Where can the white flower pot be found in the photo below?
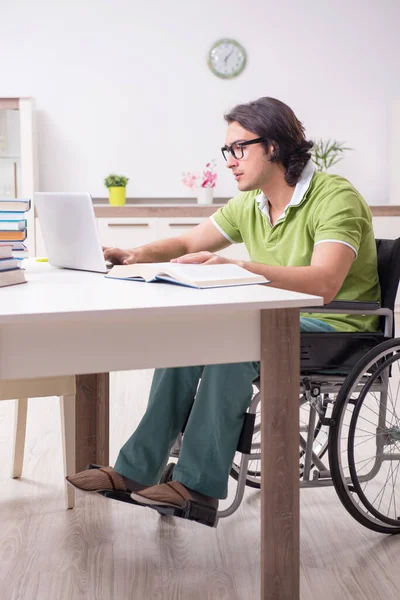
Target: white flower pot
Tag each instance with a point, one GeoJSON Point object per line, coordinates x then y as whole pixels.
{"type": "Point", "coordinates": [205, 195]}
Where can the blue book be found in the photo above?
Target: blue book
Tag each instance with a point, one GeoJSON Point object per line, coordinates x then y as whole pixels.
{"type": "Point", "coordinates": [12, 225]}
{"type": "Point", "coordinates": [11, 216]}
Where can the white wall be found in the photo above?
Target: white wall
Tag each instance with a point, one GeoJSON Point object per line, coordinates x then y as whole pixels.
{"type": "Point", "coordinates": [123, 86]}
{"type": "Point", "coordinates": [394, 152]}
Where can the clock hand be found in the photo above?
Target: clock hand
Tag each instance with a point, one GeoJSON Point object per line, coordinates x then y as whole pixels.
{"type": "Point", "coordinates": [227, 56]}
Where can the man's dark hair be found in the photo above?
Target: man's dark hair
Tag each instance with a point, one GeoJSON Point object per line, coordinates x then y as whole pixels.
{"type": "Point", "coordinates": [277, 124]}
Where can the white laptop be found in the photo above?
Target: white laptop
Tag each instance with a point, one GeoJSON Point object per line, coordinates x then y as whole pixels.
{"type": "Point", "coordinates": [69, 231]}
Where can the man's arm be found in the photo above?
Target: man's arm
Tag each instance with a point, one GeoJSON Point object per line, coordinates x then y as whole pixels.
{"type": "Point", "coordinates": [203, 237]}
{"type": "Point", "coordinates": [330, 264]}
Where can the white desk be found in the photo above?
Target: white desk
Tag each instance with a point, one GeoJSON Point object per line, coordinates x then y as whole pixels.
{"type": "Point", "coordinates": [68, 322]}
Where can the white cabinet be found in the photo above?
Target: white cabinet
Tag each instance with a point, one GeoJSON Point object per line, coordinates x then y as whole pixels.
{"type": "Point", "coordinates": [172, 227]}
{"type": "Point", "coordinates": [132, 232]}
{"type": "Point", "coordinates": [128, 232]}
{"type": "Point", "coordinates": [179, 225]}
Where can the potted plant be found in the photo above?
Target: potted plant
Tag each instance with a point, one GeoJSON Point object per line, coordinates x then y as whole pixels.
{"type": "Point", "coordinates": [116, 185]}
{"type": "Point", "coordinates": [326, 153]}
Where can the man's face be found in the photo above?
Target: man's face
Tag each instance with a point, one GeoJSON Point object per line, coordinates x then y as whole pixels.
{"type": "Point", "coordinates": [253, 170]}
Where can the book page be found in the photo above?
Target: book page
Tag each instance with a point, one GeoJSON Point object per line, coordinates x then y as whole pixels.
{"type": "Point", "coordinates": [146, 271]}
{"type": "Point", "coordinates": [201, 273]}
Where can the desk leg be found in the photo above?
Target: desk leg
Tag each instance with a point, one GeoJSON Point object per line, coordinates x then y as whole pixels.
{"type": "Point", "coordinates": [279, 371]}
{"type": "Point", "coordinates": [92, 420]}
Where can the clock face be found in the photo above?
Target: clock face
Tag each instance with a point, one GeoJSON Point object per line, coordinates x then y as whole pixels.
{"type": "Point", "coordinates": [227, 58]}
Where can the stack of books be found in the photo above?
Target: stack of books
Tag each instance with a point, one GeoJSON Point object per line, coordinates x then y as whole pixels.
{"type": "Point", "coordinates": [10, 271]}
{"type": "Point", "coordinates": [12, 235]}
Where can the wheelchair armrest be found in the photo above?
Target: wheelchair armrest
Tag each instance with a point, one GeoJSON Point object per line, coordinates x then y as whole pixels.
{"type": "Point", "coordinates": [353, 307]}
{"type": "Point", "coordinates": [347, 306]}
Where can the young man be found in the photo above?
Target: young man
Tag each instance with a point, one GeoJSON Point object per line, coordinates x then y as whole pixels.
{"type": "Point", "coordinates": [305, 231]}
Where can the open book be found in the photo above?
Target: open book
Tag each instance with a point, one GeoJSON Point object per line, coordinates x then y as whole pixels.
{"type": "Point", "coordinates": [196, 276]}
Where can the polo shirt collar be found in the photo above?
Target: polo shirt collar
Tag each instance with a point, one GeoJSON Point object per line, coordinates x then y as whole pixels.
{"type": "Point", "coordinates": [299, 191]}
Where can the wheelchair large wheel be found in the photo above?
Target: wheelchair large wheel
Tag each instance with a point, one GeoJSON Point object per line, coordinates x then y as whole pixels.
{"type": "Point", "coordinates": [364, 440]}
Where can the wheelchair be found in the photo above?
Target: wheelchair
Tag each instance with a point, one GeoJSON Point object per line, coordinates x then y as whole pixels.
{"type": "Point", "coordinates": [349, 413]}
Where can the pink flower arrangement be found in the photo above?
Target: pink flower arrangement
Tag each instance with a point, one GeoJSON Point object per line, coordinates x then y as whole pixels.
{"type": "Point", "coordinates": [207, 179]}
{"type": "Point", "coordinates": [190, 180]}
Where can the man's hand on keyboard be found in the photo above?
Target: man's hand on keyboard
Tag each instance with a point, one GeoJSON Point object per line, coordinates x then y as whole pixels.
{"type": "Point", "coordinates": [119, 256]}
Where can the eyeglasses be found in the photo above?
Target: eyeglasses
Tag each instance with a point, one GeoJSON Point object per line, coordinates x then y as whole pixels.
{"type": "Point", "coordinates": [237, 148]}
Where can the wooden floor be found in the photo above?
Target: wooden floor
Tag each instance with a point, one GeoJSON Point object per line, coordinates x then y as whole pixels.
{"type": "Point", "coordinates": [105, 550]}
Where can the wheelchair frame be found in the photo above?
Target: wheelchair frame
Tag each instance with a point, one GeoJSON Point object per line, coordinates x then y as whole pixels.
{"type": "Point", "coordinates": [313, 386]}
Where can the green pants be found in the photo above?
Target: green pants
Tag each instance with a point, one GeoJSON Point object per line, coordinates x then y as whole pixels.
{"type": "Point", "coordinates": [210, 402]}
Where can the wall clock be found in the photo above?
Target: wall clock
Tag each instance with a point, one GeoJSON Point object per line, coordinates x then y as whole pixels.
{"type": "Point", "coordinates": [227, 58]}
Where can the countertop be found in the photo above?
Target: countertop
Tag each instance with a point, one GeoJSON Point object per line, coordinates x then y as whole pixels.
{"type": "Point", "coordinates": [187, 207]}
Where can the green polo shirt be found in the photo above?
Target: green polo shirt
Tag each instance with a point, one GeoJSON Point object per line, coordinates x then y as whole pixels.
{"type": "Point", "coordinates": [324, 208]}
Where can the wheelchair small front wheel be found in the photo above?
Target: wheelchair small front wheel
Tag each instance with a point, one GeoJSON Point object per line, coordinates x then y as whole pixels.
{"type": "Point", "coordinates": [364, 442]}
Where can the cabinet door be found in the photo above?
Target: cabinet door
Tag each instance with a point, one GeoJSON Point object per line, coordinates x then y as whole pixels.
{"type": "Point", "coordinates": [127, 232]}
{"type": "Point", "coordinates": [178, 226]}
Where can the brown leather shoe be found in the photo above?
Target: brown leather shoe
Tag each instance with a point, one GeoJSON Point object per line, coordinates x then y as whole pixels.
{"type": "Point", "coordinates": [175, 499]}
{"type": "Point", "coordinates": [102, 479]}
{"type": "Point", "coordinates": [173, 494]}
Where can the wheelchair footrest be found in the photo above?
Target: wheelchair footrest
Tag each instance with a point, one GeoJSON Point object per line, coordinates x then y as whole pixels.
{"type": "Point", "coordinates": [119, 495]}
{"type": "Point", "coordinates": [193, 512]}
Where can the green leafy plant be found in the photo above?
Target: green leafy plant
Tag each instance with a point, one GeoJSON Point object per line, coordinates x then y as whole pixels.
{"type": "Point", "coordinates": [326, 153]}
{"type": "Point", "coordinates": [116, 181]}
